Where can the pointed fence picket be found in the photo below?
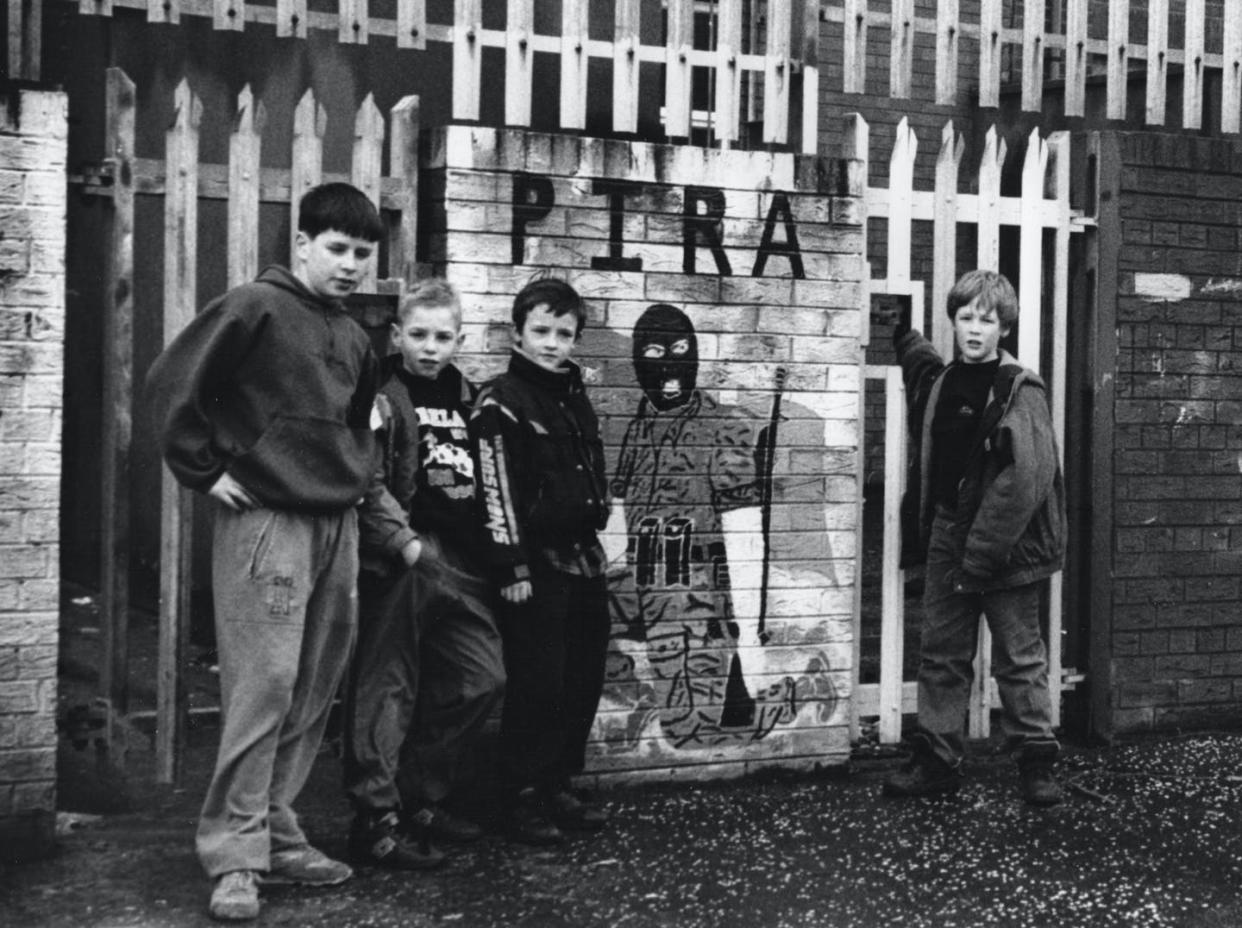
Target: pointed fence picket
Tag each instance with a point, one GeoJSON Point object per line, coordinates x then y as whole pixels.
{"type": "Point", "coordinates": [1043, 204]}
{"type": "Point", "coordinates": [243, 183]}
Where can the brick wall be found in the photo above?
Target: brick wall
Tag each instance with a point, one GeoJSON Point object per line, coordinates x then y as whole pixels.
{"type": "Point", "coordinates": [693, 689]}
{"type": "Point", "coordinates": [1176, 637]}
{"type": "Point", "coordinates": [33, 132]}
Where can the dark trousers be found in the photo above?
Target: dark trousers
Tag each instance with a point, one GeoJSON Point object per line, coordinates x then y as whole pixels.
{"type": "Point", "coordinates": [555, 647]}
{"type": "Point", "coordinates": [428, 673]}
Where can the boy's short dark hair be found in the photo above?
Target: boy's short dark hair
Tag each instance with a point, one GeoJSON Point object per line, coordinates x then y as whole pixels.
{"type": "Point", "coordinates": [994, 291]}
{"type": "Point", "coordinates": [339, 207]}
{"type": "Point", "coordinates": [560, 297]}
{"type": "Point", "coordinates": [433, 291]}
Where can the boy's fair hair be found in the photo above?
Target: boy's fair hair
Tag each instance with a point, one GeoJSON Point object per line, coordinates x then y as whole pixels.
{"type": "Point", "coordinates": [339, 207]}
{"type": "Point", "coordinates": [994, 291]}
{"type": "Point", "coordinates": [559, 296]}
{"type": "Point", "coordinates": [434, 292]}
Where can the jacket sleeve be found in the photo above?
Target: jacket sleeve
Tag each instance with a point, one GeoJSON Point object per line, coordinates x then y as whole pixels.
{"type": "Point", "coordinates": [1028, 467]}
{"type": "Point", "coordinates": [920, 364]}
{"type": "Point", "coordinates": [186, 380]}
{"type": "Point", "coordinates": [497, 440]}
{"type": "Point", "coordinates": [383, 526]}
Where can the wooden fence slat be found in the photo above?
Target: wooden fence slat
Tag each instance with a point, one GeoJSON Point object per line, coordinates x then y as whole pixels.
{"type": "Point", "coordinates": [989, 53]}
{"type": "Point", "coordinates": [900, 185]}
{"type": "Point", "coordinates": [180, 300]}
{"type": "Point", "coordinates": [1118, 55]}
{"type": "Point", "coordinates": [575, 30]}
{"type": "Point", "coordinates": [854, 48]}
{"type": "Point", "coordinates": [776, 76]}
{"type": "Point", "coordinates": [366, 167]}
{"type": "Point", "coordinates": [901, 45]}
{"type": "Point", "coordinates": [245, 158]}
{"type": "Point", "coordinates": [1033, 55]}
{"type": "Point", "coordinates": [1192, 69]}
{"type": "Point", "coordinates": [678, 42]}
{"type": "Point", "coordinates": [1075, 57]}
{"type": "Point", "coordinates": [855, 151]}
{"type": "Point", "coordinates": [625, 66]}
{"type": "Point", "coordinates": [944, 236]}
{"type": "Point", "coordinates": [1059, 167]}
{"type": "Point", "coordinates": [519, 58]}
{"type": "Point", "coordinates": [353, 24]}
{"type": "Point", "coordinates": [808, 53]}
{"type": "Point", "coordinates": [403, 164]}
{"type": "Point", "coordinates": [32, 42]}
{"type": "Point", "coordinates": [291, 18]}
{"type": "Point", "coordinates": [979, 706]}
{"type": "Point", "coordinates": [1031, 252]}
{"type": "Point", "coordinates": [95, 7]}
{"type": "Point", "coordinates": [164, 11]}
{"type": "Point", "coordinates": [467, 58]}
{"type": "Point", "coordinates": [412, 24]}
{"type": "Point", "coordinates": [947, 42]}
{"type": "Point", "coordinates": [309, 122]}
{"type": "Point", "coordinates": [892, 596]}
{"type": "Point", "coordinates": [117, 423]}
{"type": "Point", "coordinates": [1157, 59]}
{"type": "Point", "coordinates": [229, 14]}
{"type": "Point", "coordinates": [988, 220]}
{"type": "Point", "coordinates": [728, 74]}
{"type": "Point", "coordinates": [1231, 89]}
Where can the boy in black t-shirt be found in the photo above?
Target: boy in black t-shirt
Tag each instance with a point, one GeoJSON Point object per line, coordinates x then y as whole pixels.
{"type": "Point", "coordinates": [429, 668]}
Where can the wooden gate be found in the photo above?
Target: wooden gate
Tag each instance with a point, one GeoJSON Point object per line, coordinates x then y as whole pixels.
{"type": "Point", "coordinates": [1043, 204]}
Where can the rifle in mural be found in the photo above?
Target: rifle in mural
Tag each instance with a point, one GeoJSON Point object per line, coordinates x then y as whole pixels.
{"type": "Point", "coordinates": [765, 460]}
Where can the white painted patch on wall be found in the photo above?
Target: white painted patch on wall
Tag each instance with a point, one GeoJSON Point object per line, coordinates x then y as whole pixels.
{"type": "Point", "coordinates": [1155, 287]}
{"type": "Point", "coordinates": [1224, 285]}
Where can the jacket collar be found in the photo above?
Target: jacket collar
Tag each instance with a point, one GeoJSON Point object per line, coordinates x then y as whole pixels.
{"type": "Point", "coordinates": [566, 380]}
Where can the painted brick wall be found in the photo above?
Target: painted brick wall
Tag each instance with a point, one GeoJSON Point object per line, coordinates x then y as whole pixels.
{"type": "Point", "coordinates": [33, 133]}
{"type": "Point", "coordinates": [1176, 643]}
{"type": "Point", "coordinates": [693, 690]}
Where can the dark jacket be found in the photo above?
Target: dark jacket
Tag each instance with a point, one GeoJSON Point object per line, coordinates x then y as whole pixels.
{"type": "Point", "coordinates": [274, 385]}
{"type": "Point", "coordinates": [1012, 495]}
{"type": "Point", "coordinates": [424, 479]}
{"type": "Point", "coordinates": [540, 466]}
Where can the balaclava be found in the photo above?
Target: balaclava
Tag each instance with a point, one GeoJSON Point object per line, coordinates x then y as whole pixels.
{"type": "Point", "coordinates": [666, 356]}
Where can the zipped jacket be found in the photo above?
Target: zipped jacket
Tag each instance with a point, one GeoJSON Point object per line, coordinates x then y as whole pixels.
{"type": "Point", "coordinates": [274, 385]}
{"type": "Point", "coordinates": [400, 504]}
{"type": "Point", "coordinates": [1012, 494]}
{"type": "Point", "coordinates": [540, 468]}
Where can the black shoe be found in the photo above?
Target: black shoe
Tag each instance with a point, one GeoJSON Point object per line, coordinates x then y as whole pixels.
{"type": "Point", "coordinates": [924, 774]}
{"type": "Point", "coordinates": [379, 838]}
{"type": "Point", "coordinates": [1035, 769]}
{"type": "Point", "coordinates": [438, 822]}
{"type": "Point", "coordinates": [528, 823]}
{"type": "Point", "coordinates": [572, 812]}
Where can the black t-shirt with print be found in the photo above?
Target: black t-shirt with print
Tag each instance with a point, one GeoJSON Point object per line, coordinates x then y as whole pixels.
{"type": "Point", "coordinates": [963, 397]}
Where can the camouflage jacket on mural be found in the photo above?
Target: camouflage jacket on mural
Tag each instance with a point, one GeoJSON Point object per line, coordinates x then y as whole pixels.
{"type": "Point", "coordinates": [1012, 494]}
{"type": "Point", "coordinates": [540, 467]}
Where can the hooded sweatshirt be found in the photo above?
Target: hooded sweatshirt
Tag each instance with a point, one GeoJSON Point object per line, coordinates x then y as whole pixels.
{"type": "Point", "coordinates": [274, 385]}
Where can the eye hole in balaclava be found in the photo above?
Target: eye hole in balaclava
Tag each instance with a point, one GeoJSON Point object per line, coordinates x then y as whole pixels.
{"type": "Point", "coordinates": [666, 356]}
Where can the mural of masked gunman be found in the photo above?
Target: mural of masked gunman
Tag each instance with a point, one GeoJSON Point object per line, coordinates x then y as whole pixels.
{"type": "Point", "coordinates": [688, 489]}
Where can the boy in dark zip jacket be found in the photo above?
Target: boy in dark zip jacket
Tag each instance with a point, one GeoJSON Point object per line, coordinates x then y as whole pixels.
{"type": "Point", "coordinates": [989, 507]}
{"type": "Point", "coordinates": [541, 475]}
{"type": "Point", "coordinates": [429, 669]}
{"type": "Point", "coordinates": [262, 403]}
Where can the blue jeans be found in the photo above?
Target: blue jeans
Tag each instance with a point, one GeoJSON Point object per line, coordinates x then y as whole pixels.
{"type": "Point", "coordinates": [949, 640]}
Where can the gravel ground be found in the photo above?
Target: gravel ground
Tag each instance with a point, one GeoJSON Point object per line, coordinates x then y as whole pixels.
{"type": "Point", "coordinates": [1150, 836]}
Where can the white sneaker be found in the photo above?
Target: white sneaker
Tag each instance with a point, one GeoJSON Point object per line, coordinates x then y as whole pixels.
{"type": "Point", "coordinates": [235, 897]}
{"type": "Point", "coordinates": [306, 866]}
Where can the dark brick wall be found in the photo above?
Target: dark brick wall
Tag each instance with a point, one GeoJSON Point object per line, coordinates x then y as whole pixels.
{"type": "Point", "coordinates": [1176, 637]}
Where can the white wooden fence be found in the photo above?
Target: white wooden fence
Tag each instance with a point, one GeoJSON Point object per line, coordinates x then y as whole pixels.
{"type": "Point", "coordinates": [756, 51]}
{"type": "Point", "coordinates": [1042, 204]}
